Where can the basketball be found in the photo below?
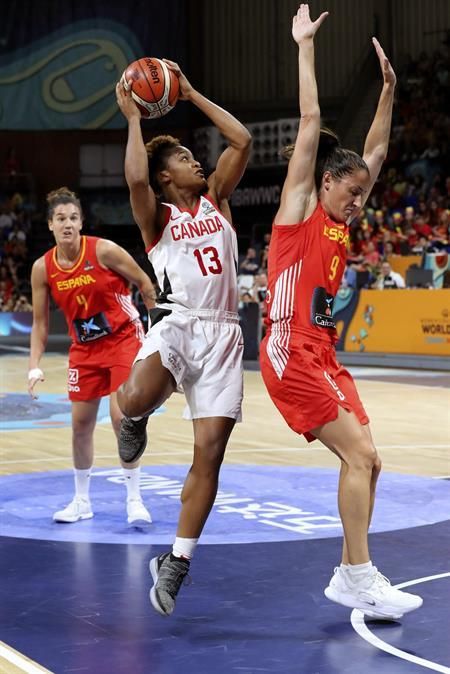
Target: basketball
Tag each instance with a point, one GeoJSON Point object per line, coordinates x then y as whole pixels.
{"type": "Point", "coordinates": [154, 87]}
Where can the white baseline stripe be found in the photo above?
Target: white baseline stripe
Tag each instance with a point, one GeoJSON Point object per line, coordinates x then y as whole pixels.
{"type": "Point", "coordinates": [249, 450]}
{"type": "Point", "coordinates": [21, 661]}
{"type": "Point", "coordinates": [357, 620]}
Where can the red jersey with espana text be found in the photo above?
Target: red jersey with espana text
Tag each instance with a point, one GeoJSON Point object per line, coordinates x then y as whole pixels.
{"type": "Point", "coordinates": [96, 301]}
{"type": "Point", "coordinates": [305, 266]}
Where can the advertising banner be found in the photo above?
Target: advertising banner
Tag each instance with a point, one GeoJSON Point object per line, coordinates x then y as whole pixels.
{"type": "Point", "coordinates": [60, 61]}
{"type": "Point", "coordinates": [399, 321]}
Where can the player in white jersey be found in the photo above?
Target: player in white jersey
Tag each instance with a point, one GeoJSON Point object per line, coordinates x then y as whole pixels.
{"type": "Point", "coordinates": [195, 340]}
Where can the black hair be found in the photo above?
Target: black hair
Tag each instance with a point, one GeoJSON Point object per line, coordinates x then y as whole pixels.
{"type": "Point", "coordinates": [159, 149]}
{"type": "Point", "coordinates": [331, 157]}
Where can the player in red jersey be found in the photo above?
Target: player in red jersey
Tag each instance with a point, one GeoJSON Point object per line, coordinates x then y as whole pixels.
{"type": "Point", "coordinates": [325, 188]}
{"type": "Point", "coordinates": [89, 279]}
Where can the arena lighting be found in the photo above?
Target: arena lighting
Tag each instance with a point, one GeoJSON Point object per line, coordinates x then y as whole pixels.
{"type": "Point", "coordinates": [269, 137]}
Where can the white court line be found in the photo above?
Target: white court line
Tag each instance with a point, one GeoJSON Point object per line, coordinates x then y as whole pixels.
{"type": "Point", "coordinates": [257, 450]}
{"type": "Point", "coordinates": [21, 661]}
{"type": "Point", "coordinates": [357, 620]}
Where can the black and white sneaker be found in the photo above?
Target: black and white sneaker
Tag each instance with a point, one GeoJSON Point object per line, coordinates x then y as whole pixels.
{"type": "Point", "coordinates": [168, 573]}
{"type": "Point", "coordinates": [132, 439]}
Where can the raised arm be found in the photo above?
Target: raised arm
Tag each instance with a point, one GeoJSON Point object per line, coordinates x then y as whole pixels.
{"type": "Point", "coordinates": [143, 201]}
{"type": "Point", "coordinates": [377, 140]}
{"type": "Point", "coordinates": [39, 330]}
{"type": "Point", "coordinates": [232, 162]}
{"type": "Point", "coordinates": [298, 197]}
{"type": "Point", "coordinates": [116, 258]}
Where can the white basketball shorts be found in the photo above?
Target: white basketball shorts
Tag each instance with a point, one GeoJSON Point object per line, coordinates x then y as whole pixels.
{"type": "Point", "coordinates": [203, 350]}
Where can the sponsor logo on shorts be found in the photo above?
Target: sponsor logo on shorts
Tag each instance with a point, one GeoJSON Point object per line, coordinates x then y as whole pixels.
{"type": "Point", "coordinates": [73, 375]}
{"type": "Point", "coordinates": [174, 362]}
{"type": "Point", "coordinates": [73, 381]}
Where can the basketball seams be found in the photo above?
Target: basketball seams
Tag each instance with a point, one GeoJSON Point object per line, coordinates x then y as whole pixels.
{"type": "Point", "coordinates": [167, 81]}
{"type": "Point", "coordinates": [142, 74]}
{"type": "Point", "coordinates": [156, 101]}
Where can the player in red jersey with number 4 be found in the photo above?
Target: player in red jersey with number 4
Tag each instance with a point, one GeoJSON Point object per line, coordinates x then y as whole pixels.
{"type": "Point", "coordinates": [325, 188]}
{"type": "Point", "coordinates": [195, 339]}
{"type": "Point", "coordinates": [88, 279]}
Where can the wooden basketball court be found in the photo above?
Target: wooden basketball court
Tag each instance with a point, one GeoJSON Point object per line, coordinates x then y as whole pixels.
{"type": "Point", "coordinates": [410, 423]}
{"type": "Point", "coordinates": [81, 604]}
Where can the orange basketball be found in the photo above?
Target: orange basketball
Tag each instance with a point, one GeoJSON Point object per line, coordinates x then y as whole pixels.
{"type": "Point", "coordinates": [154, 87]}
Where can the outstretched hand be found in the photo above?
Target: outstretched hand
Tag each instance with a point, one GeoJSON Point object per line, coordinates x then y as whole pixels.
{"type": "Point", "coordinates": [303, 27]}
{"type": "Point", "coordinates": [387, 70]}
{"type": "Point", "coordinates": [186, 87]}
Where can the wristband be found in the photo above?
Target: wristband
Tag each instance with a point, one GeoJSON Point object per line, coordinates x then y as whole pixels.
{"type": "Point", "coordinates": [35, 373]}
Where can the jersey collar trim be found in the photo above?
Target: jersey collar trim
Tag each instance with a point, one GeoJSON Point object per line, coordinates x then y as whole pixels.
{"type": "Point", "coordinates": [77, 263]}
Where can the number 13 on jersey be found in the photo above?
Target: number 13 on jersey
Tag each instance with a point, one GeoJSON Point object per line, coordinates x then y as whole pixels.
{"type": "Point", "coordinates": [208, 260]}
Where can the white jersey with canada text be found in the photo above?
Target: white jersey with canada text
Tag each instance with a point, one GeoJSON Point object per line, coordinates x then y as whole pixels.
{"type": "Point", "coordinates": [195, 258]}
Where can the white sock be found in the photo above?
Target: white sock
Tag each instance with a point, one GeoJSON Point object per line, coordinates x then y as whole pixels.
{"type": "Point", "coordinates": [143, 416]}
{"type": "Point", "coordinates": [357, 572]}
{"type": "Point", "coordinates": [184, 547]}
{"type": "Point", "coordinates": [131, 476]}
{"type": "Point", "coordinates": [82, 481]}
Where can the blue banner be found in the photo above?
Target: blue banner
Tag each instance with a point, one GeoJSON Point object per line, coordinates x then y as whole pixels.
{"type": "Point", "coordinates": [59, 65]}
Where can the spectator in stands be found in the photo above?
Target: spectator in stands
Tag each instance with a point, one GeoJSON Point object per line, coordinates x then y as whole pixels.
{"type": "Point", "coordinates": [389, 278]}
{"type": "Point", "coordinates": [422, 227]}
{"type": "Point", "coordinates": [249, 264]}
{"type": "Point", "coordinates": [372, 256]}
{"type": "Point", "coordinates": [263, 259]}
{"type": "Point", "coordinates": [22, 304]}
{"type": "Point", "coordinates": [245, 298]}
{"type": "Point", "coordinates": [421, 246]}
{"type": "Point", "coordinates": [6, 219]}
{"type": "Point", "coordinates": [388, 249]}
{"type": "Point", "coordinates": [16, 233]}
{"type": "Point", "coordinates": [442, 230]}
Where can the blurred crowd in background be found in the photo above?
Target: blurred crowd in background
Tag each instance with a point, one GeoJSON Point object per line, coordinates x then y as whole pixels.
{"type": "Point", "coordinates": [408, 212]}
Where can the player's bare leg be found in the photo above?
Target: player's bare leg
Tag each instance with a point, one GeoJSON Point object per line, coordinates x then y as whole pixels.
{"type": "Point", "coordinates": [137, 513]}
{"type": "Point", "coordinates": [148, 386]}
{"type": "Point", "coordinates": [357, 583]}
{"type": "Point", "coordinates": [199, 491]}
{"type": "Point", "coordinates": [84, 418]}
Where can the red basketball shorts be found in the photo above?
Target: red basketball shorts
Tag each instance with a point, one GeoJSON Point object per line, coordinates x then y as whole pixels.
{"type": "Point", "coordinates": [100, 367]}
{"type": "Point", "coordinates": [309, 388]}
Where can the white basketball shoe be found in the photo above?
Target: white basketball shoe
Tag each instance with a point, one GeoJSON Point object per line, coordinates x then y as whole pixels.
{"type": "Point", "coordinates": [374, 595]}
{"type": "Point", "coordinates": [137, 512]}
{"type": "Point", "coordinates": [78, 509]}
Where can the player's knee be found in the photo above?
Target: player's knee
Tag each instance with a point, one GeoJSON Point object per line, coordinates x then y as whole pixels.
{"type": "Point", "coordinates": [363, 455]}
{"type": "Point", "coordinates": [207, 461]}
{"type": "Point", "coordinates": [83, 428]}
{"type": "Point", "coordinates": [129, 399]}
{"type": "Point", "coordinates": [377, 465]}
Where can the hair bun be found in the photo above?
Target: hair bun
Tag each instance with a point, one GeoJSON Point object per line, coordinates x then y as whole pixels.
{"type": "Point", "coordinates": [60, 192]}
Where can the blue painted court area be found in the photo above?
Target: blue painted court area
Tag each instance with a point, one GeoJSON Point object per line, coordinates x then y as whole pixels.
{"type": "Point", "coordinates": [19, 412]}
{"type": "Point", "coordinates": [254, 504]}
{"type": "Point", "coordinates": [74, 598]}
{"type": "Point", "coordinates": [83, 607]}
